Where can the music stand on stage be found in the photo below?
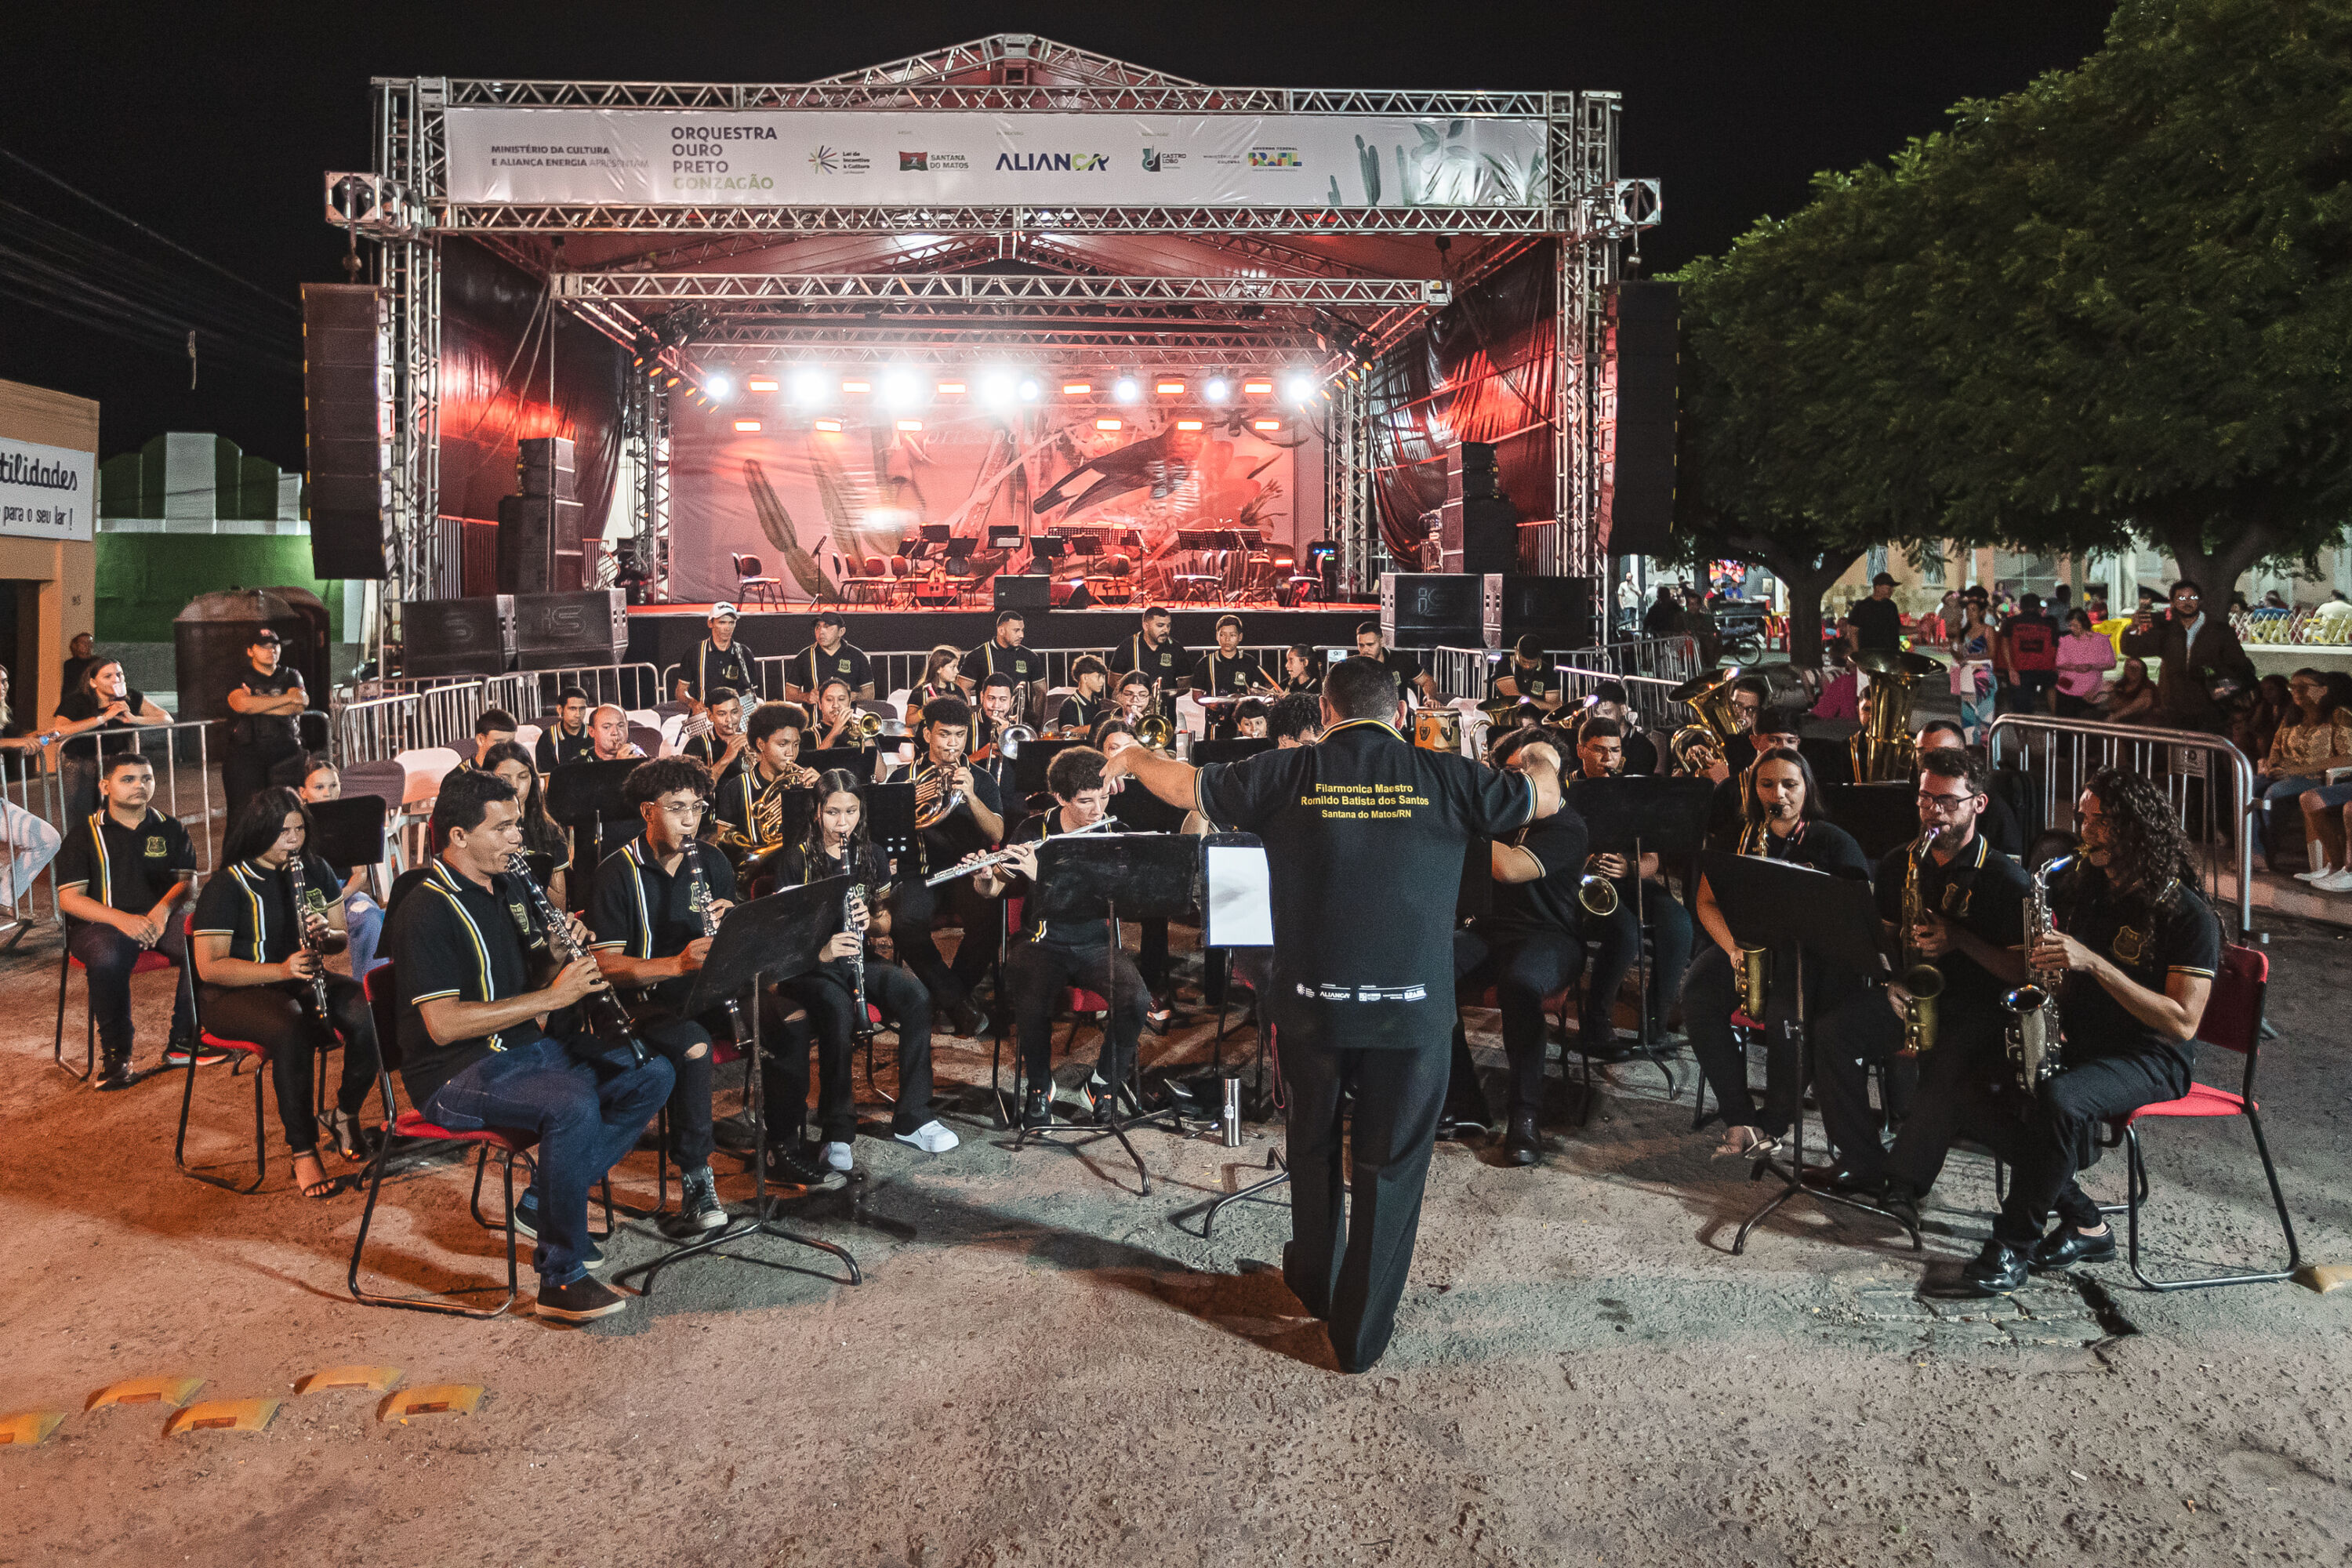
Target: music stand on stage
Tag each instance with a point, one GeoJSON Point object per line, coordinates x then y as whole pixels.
{"type": "Point", "coordinates": [859, 760]}
{"type": "Point", "coordinates": [774, 938]}
{"type": "Point", "coordinates": [1142, 875]}
{"type": "Point", "coordinates": [583, 796]}
{"type": "Point", "coordinates": [350, 832]}
{"type": "Point", "coordinates": [1636, 816]}
{"type": "Point", "coordinates": [890, 819]}
{"type": "Point", "coordinates": [1797, 910]}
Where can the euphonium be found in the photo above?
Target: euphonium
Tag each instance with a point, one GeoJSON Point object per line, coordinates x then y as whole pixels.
{"type": "Point", "coordinates": [1012, 738]}
{"type": "Point", "coordinates": [1922, 982]}
{"type": "Point", "coordinates": [1596, 893]}
{"type": "Point", "coordinates": [1709, 696]}
{"type": "Point", "coordinates": [2037, 1041]}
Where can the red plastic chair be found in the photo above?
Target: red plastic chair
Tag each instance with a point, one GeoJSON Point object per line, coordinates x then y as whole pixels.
{"type": "Point", "coordinates": [188, 1090]}
{"type": "Point", "coordinates": [146, 963]}
{"type": "Point", "coordinates": [2233, 1021]}
{"type": "Point", "coordinates": [411, 1125]}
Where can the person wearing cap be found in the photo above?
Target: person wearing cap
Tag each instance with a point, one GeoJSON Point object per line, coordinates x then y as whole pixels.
{"type": "Point", "coordinates": [829, 658]}
{"type": "Point", "coordinates": [717, 662]}
{"type": "Point", "coordinates": [263, 734]}
{"type": "Point", "coordinates": [1874, 624]}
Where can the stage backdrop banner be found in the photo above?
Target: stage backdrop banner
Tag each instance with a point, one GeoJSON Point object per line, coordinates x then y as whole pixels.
{"type": "Point", "coordinates": [883, 158]}
{"type": "Point", "coordinates": [814, 505]}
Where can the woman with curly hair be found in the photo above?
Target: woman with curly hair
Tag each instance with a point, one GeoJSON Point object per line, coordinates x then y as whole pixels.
{"type": "Point", "coordinates": [2134, 949]}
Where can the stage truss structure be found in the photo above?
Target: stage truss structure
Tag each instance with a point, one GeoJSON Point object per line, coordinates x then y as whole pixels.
{"type": "Point", "coordinates": [1313, 287]}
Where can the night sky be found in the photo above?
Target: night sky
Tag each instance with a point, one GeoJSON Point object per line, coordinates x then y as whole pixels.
{"type": "Point", "coordinates": [211, 124]}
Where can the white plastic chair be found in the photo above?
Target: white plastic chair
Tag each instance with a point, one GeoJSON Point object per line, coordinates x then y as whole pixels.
{"type": "Point", "coordinates": [527, 737]}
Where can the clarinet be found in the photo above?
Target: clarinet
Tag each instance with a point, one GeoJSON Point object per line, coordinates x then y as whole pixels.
{"type": "Point", "coordinates": [861, 1025]}
{"type": "Point", "coordinates": [698, 895]}
{"type": "Point", "coordinates": [606, 1017]}
{"type": "Point", "coordinates": [310, 944]}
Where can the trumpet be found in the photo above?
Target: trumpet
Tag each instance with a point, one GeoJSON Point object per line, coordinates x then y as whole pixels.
{"type": "Point", "coordinates": [1596, 893]}
{"type": "Point", "coordinates": [1155, 731]}
{"type": "Point", "coordinates": [1922, 982]}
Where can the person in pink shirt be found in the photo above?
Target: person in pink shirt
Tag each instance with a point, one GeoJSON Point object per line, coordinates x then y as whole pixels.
{"type": "Point", "coordinates": [2084, 659]}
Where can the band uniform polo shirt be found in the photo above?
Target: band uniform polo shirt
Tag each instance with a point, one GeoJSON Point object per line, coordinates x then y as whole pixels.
{"type": "Point", "coordinates": [813, 667]}
{"type": "Point", "coordinates": [1023, 665]}
{"type": "Point", "coordinates": [1534, 685]}
{"type": "Point", "coordinates": [1981, 890]}
{"type": "Point", "coordinates": [1365, 835]}
{"type": "Point", "coordinates": [642, 911]}
{"type": "Point", "coordinates": [126, 868]}
{"type": "Point", "coordinates": [1547, 903]}
{"type": "Point", "coordinates": [451, 937]}
{"type": "Point", "coordinates": [558, 746]}
{"type": "Point", "coordinates": [710, 666]}
{"type": "Point", "coordinates": [2177, 934]}
{"type": "Point", "coordinates": [253, 906]}
{"type": "Point", "coordinates": [1163, 664]}
{"type": "Point", "coordinates": [1236, 676]}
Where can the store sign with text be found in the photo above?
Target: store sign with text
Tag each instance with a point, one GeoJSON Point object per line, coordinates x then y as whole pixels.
{"type": "Point", "coordinates": [47, 492]}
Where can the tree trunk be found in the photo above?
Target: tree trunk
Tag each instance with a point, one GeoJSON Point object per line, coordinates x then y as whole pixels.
{"type": "Point", "coordinates": [2215, 570]}
{"type": "Point", "coordinates": [1808, 577]}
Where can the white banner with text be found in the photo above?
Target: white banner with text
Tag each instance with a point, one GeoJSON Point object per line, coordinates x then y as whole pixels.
{"type": "Point", "coordinates": [47, 492]}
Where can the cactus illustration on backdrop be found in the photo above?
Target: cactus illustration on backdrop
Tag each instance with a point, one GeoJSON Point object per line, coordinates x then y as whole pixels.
{"type": "Point", "coordinates": [1368, 159]}
{"type": "Point", "coordinates": [777, 524]}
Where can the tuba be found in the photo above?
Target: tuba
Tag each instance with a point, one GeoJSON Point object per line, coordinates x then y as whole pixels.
{"type": "Point", "coordinates": [2037, 1042]}
{"type": "Point", "coordinates": [1709, 696]}
{"type": "Point", "coordinates": [1922, 982]}
{"type": "Point", "coordinates": [1883, 749]}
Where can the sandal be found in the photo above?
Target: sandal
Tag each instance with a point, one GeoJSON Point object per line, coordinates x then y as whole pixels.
{"type": "Point", "coordinates": [325, 1186]}
{"type": "Point", "coordinates": [354, 1140]}
{"type": "Point", "coordinates": [1746, 1143]}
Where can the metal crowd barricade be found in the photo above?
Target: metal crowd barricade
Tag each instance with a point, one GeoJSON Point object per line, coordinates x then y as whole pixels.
{"type": "Point", "coordinates": [1467, 671]}
{"type": "Point", "coordinates": [529, 694]}
{"type": "Point", "coordinates": [2208, 780]}
{"type": "Point", "coordinates": [382, 728]}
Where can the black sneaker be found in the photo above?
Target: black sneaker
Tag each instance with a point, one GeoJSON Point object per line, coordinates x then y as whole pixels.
{"type": "Point", "coordinates": [790, 1166]}
{"type": "Point", "coordinates": [526, 1224]}
{"type": "Point", "coordinates": [586, 1297]}
{"type": "Point", "coordinates": [1037, 1109]}
{"type": "Point", "coordinates": [177, 1053]}
{"type": "Point", "coordinates": [698, 1208]}
{"type": "Point", "coordinates": [114, 1073]}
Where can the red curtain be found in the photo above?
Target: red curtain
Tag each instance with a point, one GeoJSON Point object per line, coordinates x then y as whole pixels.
{"type": "Point", "coordinates": [1481, 371]}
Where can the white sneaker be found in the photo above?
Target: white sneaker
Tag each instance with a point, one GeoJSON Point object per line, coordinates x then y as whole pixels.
{"type": "Point", "coordinates": [2315, 875]}
{"type": "Point", "coordinates": [838, 1156]}
{"type": "Point", "coordinates": [933, 1138]}
{"type": "Point", "coordinates": [2335, 882]}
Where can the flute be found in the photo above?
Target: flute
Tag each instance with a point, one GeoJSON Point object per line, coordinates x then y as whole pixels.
{"type": "Point", "coordinates": [1002, 856]}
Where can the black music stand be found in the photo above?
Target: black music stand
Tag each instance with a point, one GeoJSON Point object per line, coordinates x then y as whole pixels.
{"type": "Point", "coordinates": [1036, 756]}
{"type": "Point", "coordinates": [1640, 814]}
{"type": "Point", "coordinates": [1796, 910]}
{"type": "Point", "coordinates": [774, 938]}
{"type": "Point", "coordinates": [1144, 876]}
{"type": "Point", "coordinates": [857, 760]}
{"type": "Point", "coordinates": [583, 796]}
{"type": "Point", "coordinates": [890, 818]}
{"type": "Point", "coordinates": [350, 832]}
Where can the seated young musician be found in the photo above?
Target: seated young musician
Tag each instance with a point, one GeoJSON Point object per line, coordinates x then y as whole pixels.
{"type": "Point", "coordinates": [720, 746]}
{"type": "Point", "coordinates": [1530, 675]}
{"type": "Point", "coordinates": [969, 821]}
{"type": "Point", "coordinates": [1249, 719]}
{"type": "Point", "coordinates": [121, 876]}
{"type": "Point", "coordinates": [1644, 903]}
{"type": "Point", "coordinates": [1049, 957]}
{"type": "Point", "coordinates": [1970, 908]}
{"type": "Point", "coordinates": [257, 979]}
{"type": "Point", "coordinates": [992, 712]}
{"type": "Point", "coordinates": [748, 807]}
{"type": "Point", "coordinates": [1781, 820]}
{"type": "Point", "coordinates": [1526, 946]}
{"type": "Point", "coordinates": [2137, 949]}
{"type": "Point", "coordinates": [1302, 671]}
{"type": "Point", "coordinates": [836, 845]}
{"type": "Point", "coordinates": [567, 740]}
{"type": "Point", "coordinates": [1089, 700]}
{"type": "Point", "coordinates": [493, 726]}
{"type": "Point", "coordinates": [1134, 697]}
{"type": "Point", "coordinates": [837, 720]}
{"type": "Point", "coordinates": [1608, 700]}
{"type": "Point", "coordinates": [474, 975]}
{"type": "Point", "coordinates": [657, 900]}
{"type": "Point", "coordinates": [362, 916]}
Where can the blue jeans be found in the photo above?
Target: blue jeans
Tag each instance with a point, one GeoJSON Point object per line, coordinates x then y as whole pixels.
{"type": "Point", "coordinates": [2289, 790]}
{"type": "Point", "coordinates": [364, 922]}
{"type": "Point", "coordinates": [586, 1111]}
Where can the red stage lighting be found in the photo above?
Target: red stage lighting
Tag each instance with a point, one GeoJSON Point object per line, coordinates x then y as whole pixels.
{"type": "Point", "coordinates": [746, 427]}
{"type": "Point", "coordinates": [1108, 424]}
{"type": "Point", "coordinates": [1171, 388]}
{"type": "Point", "coordinates": [761, 383]}
{"type": "Point", "coordinates": [1188, 424]}
{"type": "Point", "coordinates": [1076, 388]}
{"type": "Point", "coordinates": [1257, 388]}
{"type": "Point", "coordinates": [1265, 424]}
{"type": "Point", "coordinates": [832, 425]}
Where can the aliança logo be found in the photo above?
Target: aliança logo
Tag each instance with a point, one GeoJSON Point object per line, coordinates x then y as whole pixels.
{"type": "Point", "coordinates": [1057, 163]}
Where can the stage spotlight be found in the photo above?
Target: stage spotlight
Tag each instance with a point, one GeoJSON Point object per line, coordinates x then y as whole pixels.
{"type": "Point", "coordinates": [910, 425]}
{"type": "Point", "coordinates": [1030, 389]}
{"type": "Point", "coordinates": [808, 387]}
{"type": "Point", "coordinates": [721, 388]}
{"type": "Point", "coordinates": [832, 425]}
{"type": "Point", "coordinates": [950, 389]}
{"type": "Point", "coordinates": [856, 386]}
{"type": "Point", "coordinates": [1076, 388]}
{"type": "Point", "coordinates": [898, 388]}
{"type": "Point", "coordinates": [760, 383]}
{"type": "Point", "coordinates": [1188, 424]}
{"type": "Point", "coordinates": [1127, 390]}
{"type": "Point", "coordinates": [1170, 389]}
{"type": "Point", "coordinates": [1265, 424]}
{"type": "Point", "coordinates": [1257, 388]}
{"type": "Point", "coordinates": [1217, 389]}
{"type": "Point", "coordinates": [998, 387]}
{"type": "Point", "coordinates": [746, 427]}
{"type": "Point", "coordinates": [1299, 389]}
{"type": "Point", "coordinates": [1108, 424]}
{"type": "Point", "coordinates": [671, 380]}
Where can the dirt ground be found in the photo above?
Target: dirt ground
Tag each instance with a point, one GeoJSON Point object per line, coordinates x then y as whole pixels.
{"type": "Point", "coordinates": [1043, 1367]}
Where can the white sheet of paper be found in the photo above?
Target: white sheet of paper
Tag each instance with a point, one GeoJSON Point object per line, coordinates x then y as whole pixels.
{"type": "Point", "coordinates": [1241, 912]}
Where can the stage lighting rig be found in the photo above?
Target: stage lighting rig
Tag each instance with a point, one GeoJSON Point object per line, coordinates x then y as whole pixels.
{"type": "Point", "coordinates": [1127, 390]}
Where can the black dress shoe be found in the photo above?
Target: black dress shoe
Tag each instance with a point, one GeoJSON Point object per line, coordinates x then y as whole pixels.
{"type": "Point", "coordinates": [1037, 1110]}
{"type": "Point", "coordinates": [1522, 1145]}
{"type": "Point", "coordinates": [1998, 1270]}
{"type": "Point", "coordinates": [2066, 1246]}
{"type": "Point", "coordinates": [1603, 1045]}
{"type": "Point", "coordinates": [1898, 1198]}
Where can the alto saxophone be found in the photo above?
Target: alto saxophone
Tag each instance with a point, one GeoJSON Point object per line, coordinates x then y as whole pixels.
{"type": "Point", "coordinates": [2037, 1040]}
{"type": "Point", "coordinates": [1922, 982]}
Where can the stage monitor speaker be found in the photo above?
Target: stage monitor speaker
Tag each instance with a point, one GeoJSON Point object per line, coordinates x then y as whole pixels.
{"type": "Point", "coordinates": [1557, 609]}
{"type": "Point", "coordinates": [1478, 536]}
{"type": "Point", "coordinates": [1422, 610]}
{"type": "Point", "coordinates": [1642, 476]}
{"type": "Point", "coordinates": [1024, 591]}
{"type": "Point", "coordinates": [346, 428]}
{"type": "Point", "coordinates": [1472, 473]}
{"type": "Point", "coordinates": [554, 631]}
{"type": "Point", "coordinates": [457, 637]}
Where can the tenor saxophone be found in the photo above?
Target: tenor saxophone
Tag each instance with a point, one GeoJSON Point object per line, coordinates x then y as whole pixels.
{"type": "Point", "coordinates": [2037, 1040]}
{"type": "Point", "coordinates": [1922, 982]}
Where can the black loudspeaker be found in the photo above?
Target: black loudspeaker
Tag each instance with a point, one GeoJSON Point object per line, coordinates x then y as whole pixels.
{"type": "Point", "coordinates": [1557, 609]}
{"type": "Point", "coordinates": [1020, 590]}
{"type": "Point", "coordinates": [538, 533]}
{"type": "Point", "coordinates": [1434, 609]}
{"type": "Point", "coordinates": [554, 631]}
{"type": "Point", "coordinates": [1471, 473]}
{"type": "Point", "coordinates": [346, 428]}
{"type": "Point", "coordinates": [1478, 536]}
{"type": "Point", "coordinates": [1641, 461]}
{"type": "Point", "coordinates": [457, 637]}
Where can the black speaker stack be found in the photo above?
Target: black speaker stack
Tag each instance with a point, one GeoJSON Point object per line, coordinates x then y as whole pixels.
{"type": "Point", "coordinates": [457, 637]}
{"type": "Point", "coordinates": [346, 428]}
{"type": "Point", "coordinates": [539, 535]}
{"type": "Point", "coordinates": [1478, 528]}
{"type": "Point", "coordinates": [1024, 591]}
{"type": "Point", "coordinates": [554, 631]}
{"type": "Point", "coordinates": [1423, 610]}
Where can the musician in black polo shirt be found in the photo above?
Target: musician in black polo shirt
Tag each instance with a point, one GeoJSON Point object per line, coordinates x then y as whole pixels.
{"type": "Point", "coordinates": [2139, 949]}
{"type": "Point", "coordinates": [1360, 821]}
{"type": "Point", "coordinates": [120, 877]}
{"type": "Point", "coordinates": [659, 899]}
{"type": "Point", "coordinates": [717, 660]}
{"type": "Point", "coordinates": [1049, 956]}
{"type": "Point", "coordinates": [1153, 655]}
{"type": "Point", "coordinates": [1528, 947]}
{"type": "Point", "coordinates": [1608, 700]}
{"type": "Point", "coordinates": [993, 714]}
{"type": "Point", "coordinates": [974, 824]}
{"type": "Point", "coordinates": [1644, 903]}
{"type": "Point", "coordinates": [567, 740]}
{"type": "Point", "coordinates": [1406, 667]}
{"type": "Point", "coordinates": [1226, 672]}
{"type": "Point", "coordinates": [260, 984]}
{"type": "Point", "coordinates": [720, 748]}
{"type": "Point", "coordinates": [1778, 728]}
{"type": "Point", "coordinates": [494, 727]}
{"type": "Point", "coordinates": [749, 808]}
{"type": "Point", "coordinates": [829, 658]}
{"type": "Point", "coordinates": [1972, 910]}
{"type": "Point", "coordinates": [1302, 671]}
{"type": "Point", "coordinates": [1530, 675]}
{"type": "Point", "coordinates": [1782, 820]}
{"type": "Point", "coordinates": [1003, 655]}
{"type": "Point", "coordinates": [1090, 701]}
{"type": "Point", "coordinates": [473, 976]}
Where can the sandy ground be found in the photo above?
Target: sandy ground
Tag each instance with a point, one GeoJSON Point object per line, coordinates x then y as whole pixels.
{"type": "Point", "coordinates": [1043, 1367]}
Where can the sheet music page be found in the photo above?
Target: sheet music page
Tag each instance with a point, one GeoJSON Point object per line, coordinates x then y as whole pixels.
{"type": "Point", "coordinates": [1241, 913]}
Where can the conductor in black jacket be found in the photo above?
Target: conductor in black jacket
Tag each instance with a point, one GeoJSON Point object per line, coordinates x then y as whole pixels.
{"type": "Point", "coordinates": [1360, 821]}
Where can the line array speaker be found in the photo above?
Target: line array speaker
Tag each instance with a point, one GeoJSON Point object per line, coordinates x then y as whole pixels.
{"type": "Point", "coordinates": [346, 428]}
{"type": "Point", "coordinates": [539, 536]}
